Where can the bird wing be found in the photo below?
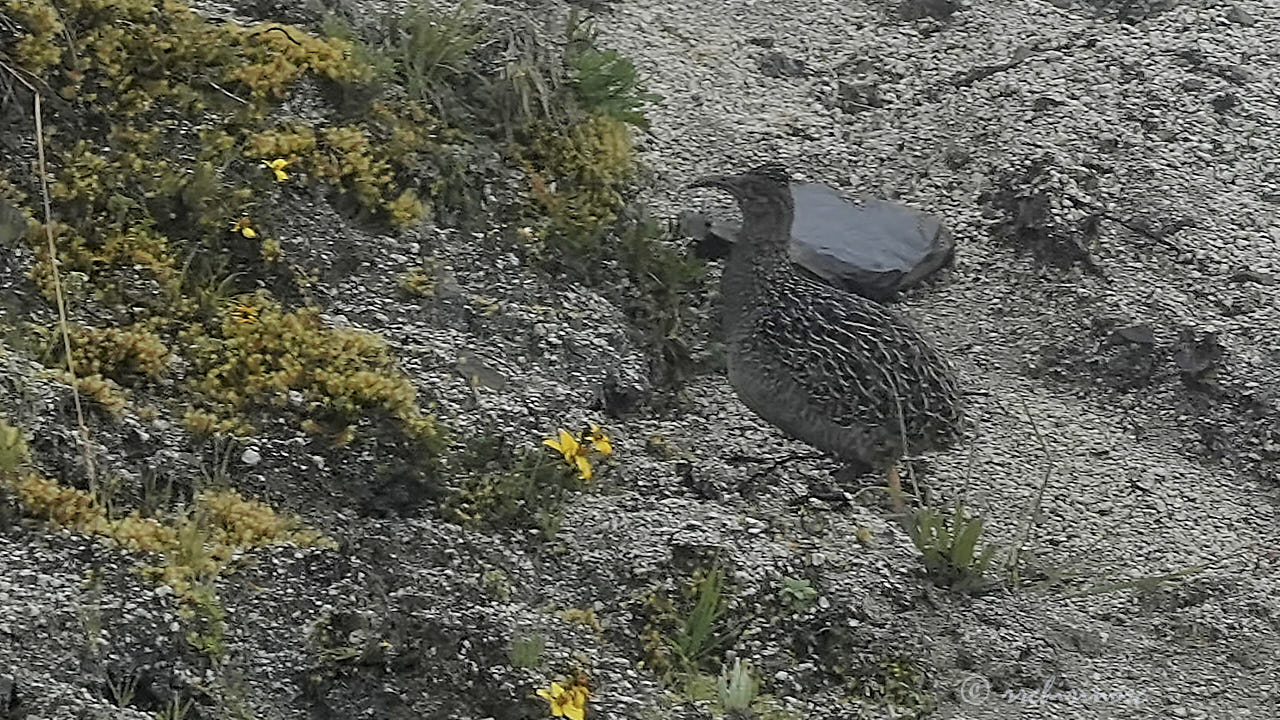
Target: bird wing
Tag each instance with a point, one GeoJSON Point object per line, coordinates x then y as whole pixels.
{"type": "Point", "coordinates": [860, 361]}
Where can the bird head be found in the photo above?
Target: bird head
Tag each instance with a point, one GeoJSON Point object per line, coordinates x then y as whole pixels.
{"type": "Point", "coordinates": [764, 196]}
{"type": "Point", "coordinates": [759, 182]}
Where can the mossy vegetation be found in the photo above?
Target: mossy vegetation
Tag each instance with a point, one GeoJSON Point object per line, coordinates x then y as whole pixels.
{"type": "Point", "coordinates": [264, 356]}
{"type": "Point", "coordinates": [13, 450]}
{"type": "Point", "coordinates": [897, 685]}
{"type": "Point", "coordinates": [178, 213]}
{"type": "Point", "coordinates": [502, 487]}
{"type": "Point", "coordinates": [687, 631]}
{"type": "Point", "coordinates": [186, 550]}
{"type": "Point", "coordinates": [165, 84]}
{"type": "Point", "coordinates": [126, 355]}
{"type": "Point", "coordinates": [577, 175]}
{"type": "Point", "coordinates": [196, 544]}
{"type": "Point", "coordinates": [162, 230]}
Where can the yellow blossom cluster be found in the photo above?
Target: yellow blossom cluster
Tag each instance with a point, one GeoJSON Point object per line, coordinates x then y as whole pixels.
{"type": "Point", "coordinates": [277, 167]}
{"type": "Point", "coordinates": [576, 450]}
{"type": "Point", "coordinates": [567, 701]}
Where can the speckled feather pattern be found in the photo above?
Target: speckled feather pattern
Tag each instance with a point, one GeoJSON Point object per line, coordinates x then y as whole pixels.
{"type": "Point", "coordinates": [828, 367]}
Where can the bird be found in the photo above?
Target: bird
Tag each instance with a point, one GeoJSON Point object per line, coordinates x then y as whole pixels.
{"type": "Point", "coordinates": [852, 378]}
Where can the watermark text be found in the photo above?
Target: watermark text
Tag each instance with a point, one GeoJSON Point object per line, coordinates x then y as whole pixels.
{"type": "Point", "coordinates": [976, 690]}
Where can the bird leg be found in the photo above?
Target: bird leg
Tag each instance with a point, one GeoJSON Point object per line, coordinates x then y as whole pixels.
{"type": "Point", "coordinates": [895, 489]}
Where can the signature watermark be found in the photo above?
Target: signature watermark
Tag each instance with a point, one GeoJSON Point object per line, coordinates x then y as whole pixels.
{"type": "Point", "coordinates": [976, 690]}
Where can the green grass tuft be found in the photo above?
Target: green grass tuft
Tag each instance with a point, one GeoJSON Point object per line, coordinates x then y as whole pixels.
{"type": "Point", "coordinates": [949, 548]}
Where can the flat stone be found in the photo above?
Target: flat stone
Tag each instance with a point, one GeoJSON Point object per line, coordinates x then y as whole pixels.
{"type": "Point", "coordinates": [477, 372]}
{"type": "Point", "coordinates": [1140, 334]}
{"type": "Point", "coordinates": [867, 246]}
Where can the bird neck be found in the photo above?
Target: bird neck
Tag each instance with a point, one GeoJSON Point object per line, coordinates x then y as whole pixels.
{"type": "Point", "coordinates": [759, 264]}
{"type": "Point", "coordinates": [766, 228]}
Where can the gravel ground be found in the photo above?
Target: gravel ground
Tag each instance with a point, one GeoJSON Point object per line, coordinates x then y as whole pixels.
{"type": "Point", "coordinates": [1131, 118]}
{"type": "Point", "coordinates": [1127, 115]}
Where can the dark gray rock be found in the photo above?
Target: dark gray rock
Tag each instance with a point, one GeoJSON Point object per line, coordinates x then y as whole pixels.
{"type": "Point", "coordinates": [777, 65]}
{"type": "Point", "coordinates": [920, 9]}
{"type": "Point", "coordinates": [1224, 102]}
{"type": "Point", "coordinates": [1240, 16]}
{"type": "Point", "coordinates": [8, 697]}
{"type": "Point", "coordinates": [871, 247]}
{"type": "Point", "coordinates": [1197, 355]}
{"type": "Point", "coordinates": [854, 98]}
{"type": "Point", "coordinates": [1140, 334]}
{"type": "Point", "coordinates": [1022, 202]}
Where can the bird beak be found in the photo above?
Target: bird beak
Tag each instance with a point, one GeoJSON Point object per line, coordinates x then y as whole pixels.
{"type": "Point", "coordinates": [724, 182]}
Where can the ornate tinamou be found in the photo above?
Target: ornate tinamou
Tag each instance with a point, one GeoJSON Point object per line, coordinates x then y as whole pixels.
{"type": "Point", "coordinates": [838, 371]}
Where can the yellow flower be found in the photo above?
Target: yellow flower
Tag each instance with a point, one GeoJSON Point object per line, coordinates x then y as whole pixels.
{"type": "Point", "coordinates": [243, 227]}
{"type": "Point", "coordinates": [568, 702]}
{"type": "Point", "coordinates": [567, 445]}
{"type": "Point", "coordinates": [277, 166]}
{"type": "Point", "coordinates": [574, 453]}
{"type": "Point", "coordinates": [245, 313]}
{"type": "Point", "coordinates": [598, 439]}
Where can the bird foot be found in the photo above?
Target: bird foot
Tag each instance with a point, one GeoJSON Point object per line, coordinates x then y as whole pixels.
{"type": "Point", "coordinates": [773, 463]}
{"type": "Point", "coordinates": [865, 482]}
{"type": "Point", "coordinates": [828, 493]}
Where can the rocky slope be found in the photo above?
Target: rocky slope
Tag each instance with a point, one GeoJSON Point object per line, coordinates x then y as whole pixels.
{"type": "Point", "coordinates": [1108, 173]}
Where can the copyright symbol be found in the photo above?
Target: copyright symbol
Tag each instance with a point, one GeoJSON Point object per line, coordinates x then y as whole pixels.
{"type": "Point", "coordinates": [974, 690]}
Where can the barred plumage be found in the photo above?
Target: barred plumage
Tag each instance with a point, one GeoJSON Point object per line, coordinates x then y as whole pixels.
{"type": "Point", "coordinates": [838, 371]}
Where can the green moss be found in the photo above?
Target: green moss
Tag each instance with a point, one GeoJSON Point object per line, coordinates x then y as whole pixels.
{"type": "Point", "coordinates": [347, 158]}
{"type": "Point", "coordinates": [288, 141]}
{"type": "Point", "coordinates": [123, 354]}
{"type": "Point", "coordinates": [580, 158]}
{"type": "Point", "coordinates": [194, 548]}
{"type": "Point", "coordinates": [171, 218]}
{"type": "Point", "coordinates": [375, 160]}
{"type": "Point", "coordinates": [420, 281]}
{"type": "Point", "coordinates": [256, 358]}
{"type": "Point", "coordinates": [406, 210]}
{"type": "Point", "coordinates": [38, 48]}
{"type": "Point", "coordinates": [579, 179]}
{"type": "Point", "coordinates": [205, 424]}
{"type": "Point", "coordinates": [118, 38]}
{"type": "Point", "coordinates": [166, 85]}
{"type": "Point", "coordinates": [578, 175]}
{"type": "Point", "coordinates": [13, 450]}
{"type": "Point", "coordinates": [106, 392]}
